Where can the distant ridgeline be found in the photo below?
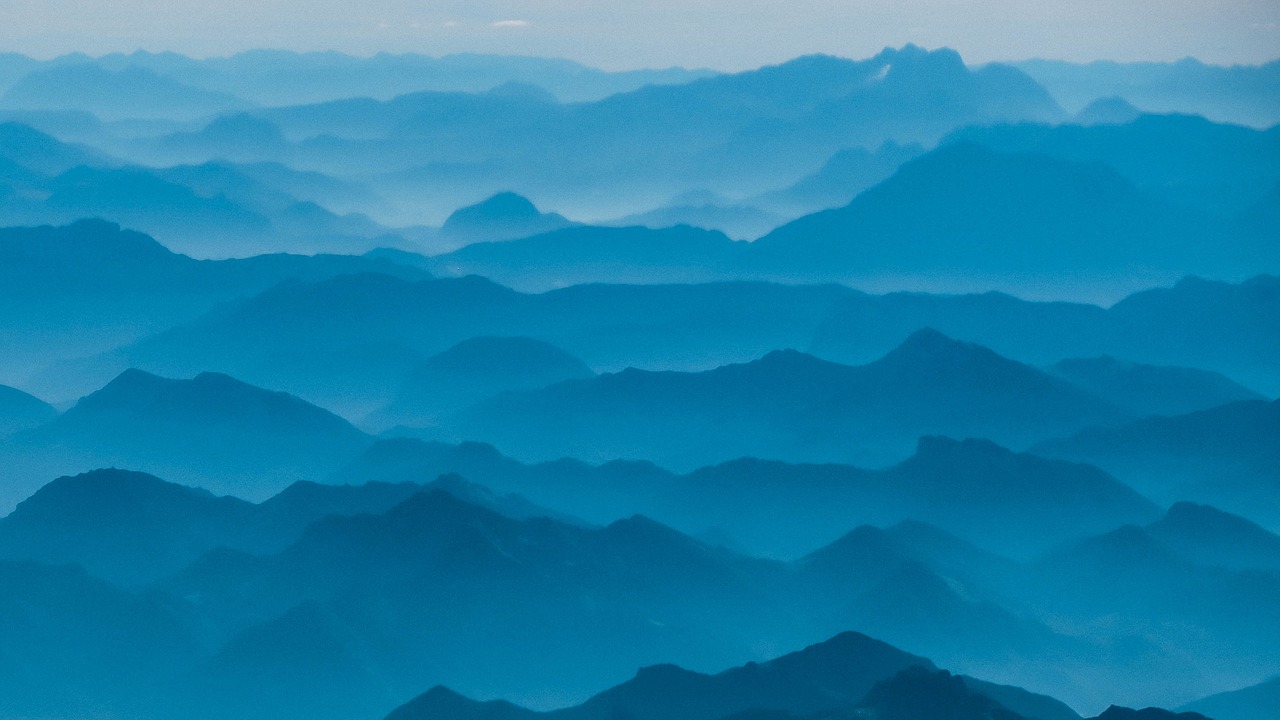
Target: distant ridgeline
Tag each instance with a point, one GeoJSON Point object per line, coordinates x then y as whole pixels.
{"type": "Point", "coordinates": [943, 176]}
{"type": "Point", "coordinates": [503, 388]}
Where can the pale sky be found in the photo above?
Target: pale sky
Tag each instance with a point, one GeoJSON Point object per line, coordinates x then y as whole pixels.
{"type": "Point", "coordinates": [720, 34]}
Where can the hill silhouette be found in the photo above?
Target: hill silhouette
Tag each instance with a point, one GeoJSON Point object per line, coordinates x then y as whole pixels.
{"type": "Point", "coordinates": [1224, 456]}
{"type": "Point", "coordinates": [1003, 500]}
{"type": "Point", "coordinates": [1251, 703]}
{"type": "Point", "coordinates": [788, 406]}
{"type": "Point", "coordinates": [847, 671]}
{"type": "Point", "coordinates": [133, 92]}
{"type": "Point", "coordinates": [475, 370]}
{"type": "Point", "coordinates": [1151, 390]}
{"type": "Point", "coordinates": [77, 640]}
{"type": "Point", "coordinates": [1237, 94]}
{"type": "Point", "coordinates": [1209, 536]}
{"type": "Point", "coordinates": [134, 529]}
{"type": "Point", "coordinates": [1113, 110]}
{"type": "Point", "coordinates": [587, 254]}
{"type": "Point", "coordinates": [21, 411]}
{"type": "Point", "coordinates": [841, 178]}
{"type": "Point", "coordinates": [1183, 159]}
{"type": "Point", "coordinates": [1018, 212]}
{"type": "Point", "coordinates": [1116, 712]}
{"type": "Point", "coordinates": [89, 287]}
{"type": "Point", "coordinates": [505, 216]}
{"type": "Point", "coordinates": [212, 430]}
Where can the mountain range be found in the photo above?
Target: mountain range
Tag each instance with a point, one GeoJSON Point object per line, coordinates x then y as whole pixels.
{"type": "Point", "coordinates": [462, 387]}
{"type": "Point", "coordinates": [1224, 455]}
{"type": "Point", "coordinates": [788, 406]}
{"type": "Point", "coordinates": [212, 430]}
{"type": "Point", "coordinates": [371, 577]}
{"type": "Point", "coordinates": [85, 288]}
{"type": "Point", "coordinates": [849, 670]}
{"type": "Point", "coordinates": [1237, 94]}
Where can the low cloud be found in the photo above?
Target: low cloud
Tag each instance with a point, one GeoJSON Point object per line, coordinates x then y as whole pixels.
{"type": "Point", "coordinates": [511, 24]}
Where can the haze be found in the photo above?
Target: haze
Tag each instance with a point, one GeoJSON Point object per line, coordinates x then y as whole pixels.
{"type": "Point", "coordinates": [718, 34]}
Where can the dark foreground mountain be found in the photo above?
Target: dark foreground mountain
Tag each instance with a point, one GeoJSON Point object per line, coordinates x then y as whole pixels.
{"type": "Point", "coordinates": [788, 406]}
{"type": "Point", "coordinates": [850, 675]}
{"type": "Point", "coordinates": [331, 602]}
{"type": "Point", "coordinates": [1116, 712]}
{"type": "Point", "coordinates": [78, 646]}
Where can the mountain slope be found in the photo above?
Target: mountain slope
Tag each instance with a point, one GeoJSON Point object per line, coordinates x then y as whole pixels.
{"type": "Point", "coordinates": [986, 494]}
{"type": "Point", "coordinates": [964, 209]}
{"type": "Point", "coordinates": [86, 288]}
{"type": "Point", "coordinates": [1208, 536]}
{"type": "Point", "coordinates": [75, 645]}
{"type": "Point", "coordinates": [212, 431]}
{"type": "Point", "coordinates": [127, 93]}
{"type": "Point", "coordinates": [419, 585]}
{"type": "Point", "coordinates": [505, 216]}
{"type": "Point", "coordinates": [475, 370]}
{"type": "Point", "coordinates": [1149, 389]}
{"type": "Point", "coordinates": [590, 254]}
{"type": "Point", "coordinates": [788, 406]}
{"type": "Point", "coordinates": [1226, 456]}
{"type": "Point", "coordinates": [1257, 702]}
{"type": "Point", "coordinates": [1183, 159]}
{"type": "Point", "coordinates": [20, 411]}
{"type": "Point", "coordinates": [125, 527]}
{"type": "Point", "coordinates": [1238, 94]}
{"type": "Point", "coordinates": [847, 671]}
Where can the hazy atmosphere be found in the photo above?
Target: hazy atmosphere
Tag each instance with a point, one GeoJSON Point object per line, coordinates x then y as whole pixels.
{"type": "Point", "coordinates": [719, 34]}
{"type": "Point", "coordinates": [652, 361]}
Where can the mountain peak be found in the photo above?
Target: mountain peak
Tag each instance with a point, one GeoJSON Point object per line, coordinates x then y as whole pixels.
{"type": "Point", "coordinates": [504, 216]}
{"type": "Point", "coordinates": [1196, 517]}
{"type": "Point", "coordinates": [441, 703]}
{"type": "Point", "coordinates": [940, 448]}
{"type": "Point", "coordinates": [107, 486]}
{"type": "Point", "coordinates": [20, 410]}
{"type": "Point", "coordinates": [1116, 712]}
{"type": "Point", "coordinates": [919, 692]}
{"type": "Point", "coordinates": [504, 205]}
{"type": "Point", "coordinates": [927, 346]}
{"type": "Point", "coordinates": [1112, 110]}
{"type": "Point", "coordinates": [506, 354]}
{"type": "Point", "coordinates": [129, 382]}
